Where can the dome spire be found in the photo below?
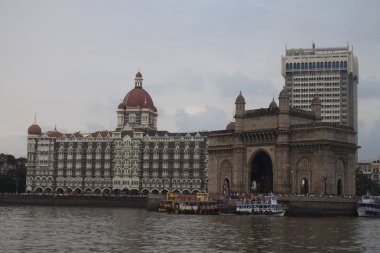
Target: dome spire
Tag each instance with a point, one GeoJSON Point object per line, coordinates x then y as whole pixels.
{"type": "Point", "coordinates": [138, 79]}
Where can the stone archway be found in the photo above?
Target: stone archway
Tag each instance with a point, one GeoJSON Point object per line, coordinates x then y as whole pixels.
{"type": "Point", "coordinates": [261, 173]}
{"type": "Point", "coordinates": [226, 187]}
{"type": "Point", "coordinates": [225, 177]}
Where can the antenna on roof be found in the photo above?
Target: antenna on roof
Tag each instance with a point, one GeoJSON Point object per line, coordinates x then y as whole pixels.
{"type": "Point", "coordinates": [55, 127]}
{"type": "Point", "coordinates": [35, 118]}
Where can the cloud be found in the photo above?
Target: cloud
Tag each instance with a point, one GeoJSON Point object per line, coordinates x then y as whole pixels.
{"type": "Point", "coordinates": [73, 62]}
{"type": "Point", "coordinates": [369, 88]}
{"type": "Point", "coordinates": [369, 142]}
{"type": "Point", "coordinates": [211, 119]}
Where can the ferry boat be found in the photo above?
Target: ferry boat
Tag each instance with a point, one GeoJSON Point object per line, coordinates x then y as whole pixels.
{"type": "Point", "coordinates": [260, 205]}
{"type": "Point", "coordinates": [368, 206]}
{"type": "Point", "coordinates": [189, 204]}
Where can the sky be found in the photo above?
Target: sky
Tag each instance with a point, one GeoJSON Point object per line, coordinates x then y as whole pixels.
{"type": "Point", "coordinates": [72, 62]}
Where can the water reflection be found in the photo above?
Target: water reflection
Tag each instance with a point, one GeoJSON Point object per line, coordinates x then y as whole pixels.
{"type": "Point", "coordinates": [78, 229]}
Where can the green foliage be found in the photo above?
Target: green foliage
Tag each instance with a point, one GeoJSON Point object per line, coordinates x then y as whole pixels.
{"type": "Point", "coordinates": [8, 180]}
{"type": "Point", "coordinates": [364, 184]}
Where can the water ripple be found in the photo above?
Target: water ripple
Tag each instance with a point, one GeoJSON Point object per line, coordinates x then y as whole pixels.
{"type": "Point", "coordinates": [78, 229]}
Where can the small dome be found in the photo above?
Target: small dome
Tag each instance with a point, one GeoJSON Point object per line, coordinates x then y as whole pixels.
{"type": "Point", "coordinates": [138, 75]}
{"type": "Point", "coordinates": [34, 129]}
{"type": "Point", "coordinates": [231, 126]}
{"type": "Point", "coordinates": [240, 99]}
{"type": "Point", "coordinates": [121, 106]}
{"type": "Point", "coordinates": [273, 104]}
{"type": "Point", "coordinates": [284, 92]}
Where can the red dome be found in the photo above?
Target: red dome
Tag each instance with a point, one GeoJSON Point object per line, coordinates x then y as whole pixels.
{"type": "Point", "coordinates": [34, 129]}
{"type": "Point", "coordinates": [121, 106]}
{"type": "Point", "coordinates": [138, 97]}
{"type": "Point", "coordinates": [139, 74]}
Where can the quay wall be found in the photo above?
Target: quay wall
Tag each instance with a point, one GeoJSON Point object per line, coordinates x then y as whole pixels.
{"type": "Point", "coordinates": [319, 206]}
{"type": "Point", "coordinates": [80, 200]}
{"type": "Point", "coordinates": [295, 205]}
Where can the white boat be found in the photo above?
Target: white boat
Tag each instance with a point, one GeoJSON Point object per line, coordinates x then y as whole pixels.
{"type": "Point", "coordinates": [368, 206]}
{"type": "Point", "coordinates": [260, 205]}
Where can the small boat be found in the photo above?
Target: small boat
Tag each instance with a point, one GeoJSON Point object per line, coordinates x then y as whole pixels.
{"type": "Point", "coordinates": [368, 206]}
{"type": "Point", "coordinates": [260, 205]}
{"type": "Point", "coordinates": [189, 204]}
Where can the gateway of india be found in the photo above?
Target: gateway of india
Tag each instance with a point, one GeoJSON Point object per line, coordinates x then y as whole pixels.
{"type": "Point", "coordinates": [282, 149]}
{"type": "Point", "coordinates": [307, 144]}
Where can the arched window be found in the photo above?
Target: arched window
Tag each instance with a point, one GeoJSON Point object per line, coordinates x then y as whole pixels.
{"type": "Point", "coordinates": [337, 64]}
{"type": "Point", "coordinates": [318, 65]}
{"type": "Point", "coordinates": [341, 64]}
{"type": "Point", "coordinates": [310, 65]}
{"type": "Point", "coordinates": [313, 65]}
{"type": "Point", "coordinates": [333, 65]}
{"type": "Point", "coordinates": [287, 66]}
{"type": "Point", "coordinates": [298, 65]}
{"type": "Point", "coordinates": [345, 64]}
{"type": "Point", "coordinates": [302, 66]}
{"type": "Point", "coordinates": [325, 64]}
{"type": "Point", "coordinates": [290, 65]}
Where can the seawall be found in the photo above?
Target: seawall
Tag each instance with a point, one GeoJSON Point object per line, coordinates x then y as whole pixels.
{"type": "Point", "coordinates": [81, 200]}
{"type": "Point", "coordinates": [318, 206]}
{"type": "Point", "coordinates": [295, 205]}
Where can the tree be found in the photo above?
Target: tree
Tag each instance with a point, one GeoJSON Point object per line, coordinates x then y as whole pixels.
{"type": "Point", "coordinates": [14, 177]}
{"type": "Point", "coordinates": [365, 185]}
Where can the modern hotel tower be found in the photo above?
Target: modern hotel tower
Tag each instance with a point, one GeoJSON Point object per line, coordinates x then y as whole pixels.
{"type": "Point", "coordinates": [329, 73]}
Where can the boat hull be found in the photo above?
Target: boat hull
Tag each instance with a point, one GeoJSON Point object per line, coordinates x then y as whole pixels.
{"type": "Point", "coordinates": [368, 212]}
{"type": "Point", "coordinates": [268, 213]}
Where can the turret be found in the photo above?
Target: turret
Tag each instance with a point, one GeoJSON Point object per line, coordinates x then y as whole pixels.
{"type": "Point", "coordinates": [284, 100]}
{"type": "Point", "coordinates": [240, 105]}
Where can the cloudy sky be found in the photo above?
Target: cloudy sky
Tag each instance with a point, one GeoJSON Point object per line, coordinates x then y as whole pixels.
{"type": "Point", "coordinates": [72, 62]}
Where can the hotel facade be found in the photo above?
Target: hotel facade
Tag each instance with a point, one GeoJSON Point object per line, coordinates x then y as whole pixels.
{"type": "Point", "coordinates": [133, 158]}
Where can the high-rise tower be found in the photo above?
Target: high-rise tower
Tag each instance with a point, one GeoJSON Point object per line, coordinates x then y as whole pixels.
{"type": "Point", "coordinates": [328, 73]}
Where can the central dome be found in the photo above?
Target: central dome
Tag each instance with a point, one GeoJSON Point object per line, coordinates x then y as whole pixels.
{"type": "Point", "coordinates": [138, 97]}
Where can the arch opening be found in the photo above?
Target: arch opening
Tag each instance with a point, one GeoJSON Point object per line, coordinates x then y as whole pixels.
{"type": "Point", "coordinates": [304, 186]}
{"type": "Point", "coordinates": [339, 187]}
{"type": "Point", "coordinates": [261, 173]}
{"type": "Point", "coordinates": [226, 187]}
